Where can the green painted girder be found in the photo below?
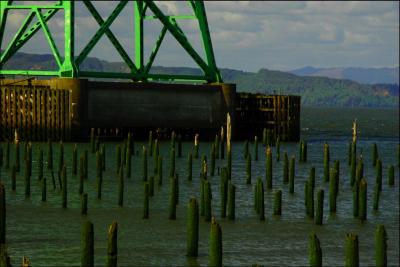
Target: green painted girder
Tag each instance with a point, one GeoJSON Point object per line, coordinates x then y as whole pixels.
{"type": "Point", "coordinates": [69, 66]}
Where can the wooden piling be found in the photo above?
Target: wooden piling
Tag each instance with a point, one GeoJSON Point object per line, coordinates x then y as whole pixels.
{"type": "Point", "coordinates": [13, 178]}
{"type": "Point", "coordinates": [362, 200]}
{"type": "Point", "coordinates": [207, 198]}
{"type": "Point", "coordinates": [377, 193]}
{"type": "Point", "coordinates": [278, 149]}
{"type": "Point", "coordinates": [291, 175]}
{"type": "Point", "coordinates": [223, 191]}
{"type": "Point", "coordinates": [355, 199]}
{"type": "Point", "coordinates": [17, 161]}
{"type": "Point", "coordinates": [351, 250]}
{"type": "Point", "coordinates": [255, 148]}
{"type": "Point", "coordinates": [87, 245]}
{"type": "Point", "coordinates": [215, 248]}
{"type": "Point", "coordinates": [160, 169]}
{"type": "Point", "coordinates": [192, 228]}
{"type": "Point", "coordinates": [231, 201]}
{"type": "Point", "coordinates": [380, 246]}
{"type": "Point", "coordinates": [332, 191]}
{"type": "Point", "coordinates": [121, 186]}
{"type": "Point", "coordinates": [260, 199]}
{"type": "Point", "coordinates": [320, 207]}
{"type": "Point", "coordinates": [196, 146]}
{"type": "Point", "coordinates": [40, 164]}
{"type": "Point", "coordinates": [172, 162]}
{"type": "Point", "coordinates": [248, 169]}
{"type": "Point", "coordinates": [112, 245]}
{"type": "Point", "coordinates": [378, 181]}
{"type": "Point", "coordinates": [374, 154]}
{"type": "Point", "coordinates": [212, 156]}
{"type": "Point", "coordinates": [314, 251]}
{"type": "Point", "coordinates": [278, 202]}
{"type": "Point", "coordinates": [268, 170]}
{"type": "Point", "coordinates": [310, 200]}
{"type": "Point", "coordinates": [245, 148]}
{"type": "Point", "coordinates": [74, 159]}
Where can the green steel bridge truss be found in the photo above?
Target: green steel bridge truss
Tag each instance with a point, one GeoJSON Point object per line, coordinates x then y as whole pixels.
{"type": "Point", "coordinates": [69, 65]}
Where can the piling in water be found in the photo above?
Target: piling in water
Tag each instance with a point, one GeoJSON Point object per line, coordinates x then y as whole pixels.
{"type": "Point", "coordinates": [192, 228]}
{"type": "Point", "coordinates": [17, 161]}
{"type": "Point", "coordinates": [248, 169]}
{"type": "Point", "coordinates": [87, 245]}
{"type": "Point", "coordinates": [278, 202]}
{"type": "Point", "coordinates": [222, 143]}
{"type": "Point", "coordinates": [190, 166]}
{"type": "Point", "coordinates": [40, 164]}
{"type": "Point", "coordinates": [223, 191]}
{"type": "Point", "coordinates": [74, 160]}
{"type": "Point", "coordinates": [326, 162]}
{"type": "Point", "coordinates": [215, 249]}
{"type": "Point", "coordinates": [278, 149]}
{"type": "Point", "coordinates": [332, 191]}
{"type": "Point", "coordinates": [207, 199]}
{"type": "Point", "coordinates": [260, 206]}
{"type": "Point", "coordinates": [156, 153]}
{"type": "Point", "coordinates": [146, 201]}
{"type": "Point", "coordinates": [311, 177]}
{"type": "Point", "coordinates": [49, 154]}
{"type": "Point", "coordinates": [374, 154]}
{"type": "Point", "coordinates": [362, 200]}
{"type": "Point", "coordinates": [380, 246]}
{"type": "Point", "coordinates": [314, 251]}
{"type": "Point", "coordinates": [304, 151]}
{"type": "Point", "coordinates": [285, 168]}
{"type": "Point", "coordinates": [43, 186]}
{"type": "Point", "coordinates": [2, 214]}
{"type": "Point", "coordinates": [13, 178]}
{"type": "Point", "coordinates": [196, 146]}
{"type": "Point", "coordinates": [291, 175]}
{"type": "Point", "coordinates": [377, 194]}
{"type": "Point", "coordinates": [336, 166]}
{"type": "Point", "coordinates": [268, 171]}
{"type": "Point", "coordinates": [202, 197]}
{"type": "Point", "coordinates": [245, 149]}
{"type": "Point", "coordinates": [310, 200]}
{"type": "Point", "coordinates": [61, 157]}
{"type": "Point", "coordinates": [320, 207]}
{"type": "Point", "coordinates": [172, 199]}
{"type": "Point", "coordinates": [84, 198]}
{"type": "Point", "coordinates": [355, 199]}
{"type": "Point", "coordinates": [360, 170]}
{"type": "Point", "coordinates": [351, 250]}
{"type": "Point", "coordinates": [160, 169]}
{"type": "Point", "coordinates": [144, 163]}
{"type": "Point", "coordinates": [99, 183]}
{"type": "Point", "coordinates": [378, 181]}
{"type": "Point", "coordinates": [81, 174]}
{"type": "Point", "coordinates": [121, 187]}
{"type": "Point", "coordinates": [172, 162]}
{"type": "Point", "coordinates": [212, 156]}
{"type": "Point", "coordinates": [151, 185]}
{"type": "Point", "coordinates": [27, 180]}
{"type": "Point", "coordinates": [231, 201]}
{"type": "Point", "coordinates": [64, 187]}
{"type": "Point", "coordinates": [264, 139]}
{"type": "Point", "coordinates": [255, 148]}
{"type": "Point", "coordinates": [112, 245]}
{"type": "Point", "coordinates": [353, 167]}
{"type": "Point", "coordinates": [391, 175]}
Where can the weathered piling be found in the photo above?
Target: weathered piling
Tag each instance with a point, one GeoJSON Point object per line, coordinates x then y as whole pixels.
{"type": "Point", "coordinates": [207, 200]}
{"type": "Point", "coordinates": [160, 169]}
{"type": "Point", "coordinates": [2, 214]}
{"type": "Point", "coordinates": [320, 207]}
{"type": "Point", "coordinates": [156, 153]}
{"type": "Point", "coordinates": [121, 187]}
{"type": "Point", "coordinates": [192, 228]}
{"type": "Point", "coordinates": [326, 162]}
{"type": "Point", "coordinates": [87, 245]}
{"type": "Point", "coordinates": [380, 246]}
{"type": "Point", "coordinates": [278, 202]}
{"type": "Point", "coordinates": [146, 201]}
{"type": "Point", "coordinates": [355, 199]}
{"type": "Point", "coordinates": [74, 160]}
{"type": "Point", "coordinates": [374, 154]}
{"type": "Point", "coordinates": [351, 250]}
{"type": "Point", "coordinates": [172, 162]}
{"type": "Point", "coordinates": [332, 190]}
{"type": "Point", "coordinates": [310, 199]}
{"type": "Point", "coordinates": [353, 168]}
{"type": "Point", "coordinates": [285, 168]}
{"type": "Point", "coordinates": [17, 161]}
{"type": "Point", "coordinates": [84, 199]}
{"type": "Point", "coordinates": [311, 177]}
{"type": "Point", "coordinates": [64, 187]}
{"type": "Point", "coordinates": [248, 169]}
{"type": "Point", "coordinates": [128, 162]}
{"type": "Point", "coordinates": [151, 142]}
{"type": "Point", "coordinates": [13, 178]}
{"type": "Point", "coordinates": [391, 175]}
{"type": "Point", "coordinates": [112, 245]}
{"type": "Point", "coordinates": [304, 151]}
{"type": "Point", "coordinates": [173, 135]}
{"type": "Point", "coordinates": [27, 180]}
{"type": "Point", "coordinates": [223, 191]}
{"type": "Point", "coordinates": [215, 249]}
{"type": "Point", "coordinates": [360, 170]}
{"type": "Point", "coordinates": [151, 185]}
{"type": "Point", "coordinates": [61, 157]}
{"type": "Point", "coordinates": [190, 166]}
{"type": "Point", "coordinates": [255, 148]}
{"type": "Point", "coordinates": [4, 257]}
{"type": "Point", "coordinates": [278, 149]}
{"type": "Point", "coordinates": [268, 170]}
{"type": "Point", "coordinates": [378, 181]}
{"type": "Point", "coordinates": [172, 198]}
{"type": "Point", "coordinates": [118, 157]}
{"type": "Point", "coordinates": [196, 146]}
{"type": "Point", "coordinates": [144, 163]}
{"type": "Point", "coordinates": [362, 200]}
{"type": "Point", "coordinates": [222, 143]}
{"type": "Point", "coordinates": [43, 186]}
{"type": "Point", "coordinates": [228, 145]}
{"type": "Point", "coordinates": [336, 166]}
{"type": "Point", "coordinates": [245, 148]}
{"type": "Point", "coordinates": [40, 164]}
{"type": "Point", "coordinates": [49, 154]}
{"type": "Point", "coordinates": [212, 156]}
{"type": "Point", "coordinates": [231, 201]}
{"type": "Point", "coordinates": [179, 146]}
{"type": "Point", "coordinates": [314, 251]}
{"type": "Point", "coordinates": [377, 194]}
{"type": "Point", "coordinates": [291, 175]}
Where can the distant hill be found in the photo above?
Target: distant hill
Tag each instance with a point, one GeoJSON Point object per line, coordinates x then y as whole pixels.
{"type": "Point", "coordinates": [314, 90]}
{"type": "Point", "coordinates": [361, 75]}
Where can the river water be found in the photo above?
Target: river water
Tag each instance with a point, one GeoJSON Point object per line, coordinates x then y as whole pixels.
{"type": "Point", "coordinates": [50, 235]}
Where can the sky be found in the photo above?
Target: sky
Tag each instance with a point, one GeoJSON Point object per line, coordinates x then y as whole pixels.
{"type": "Point", "coordinates": [247, 35]}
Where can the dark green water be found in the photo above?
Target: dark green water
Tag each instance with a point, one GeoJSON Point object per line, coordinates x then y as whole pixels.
{"type": "Point", "coordinates": [50, 235]}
